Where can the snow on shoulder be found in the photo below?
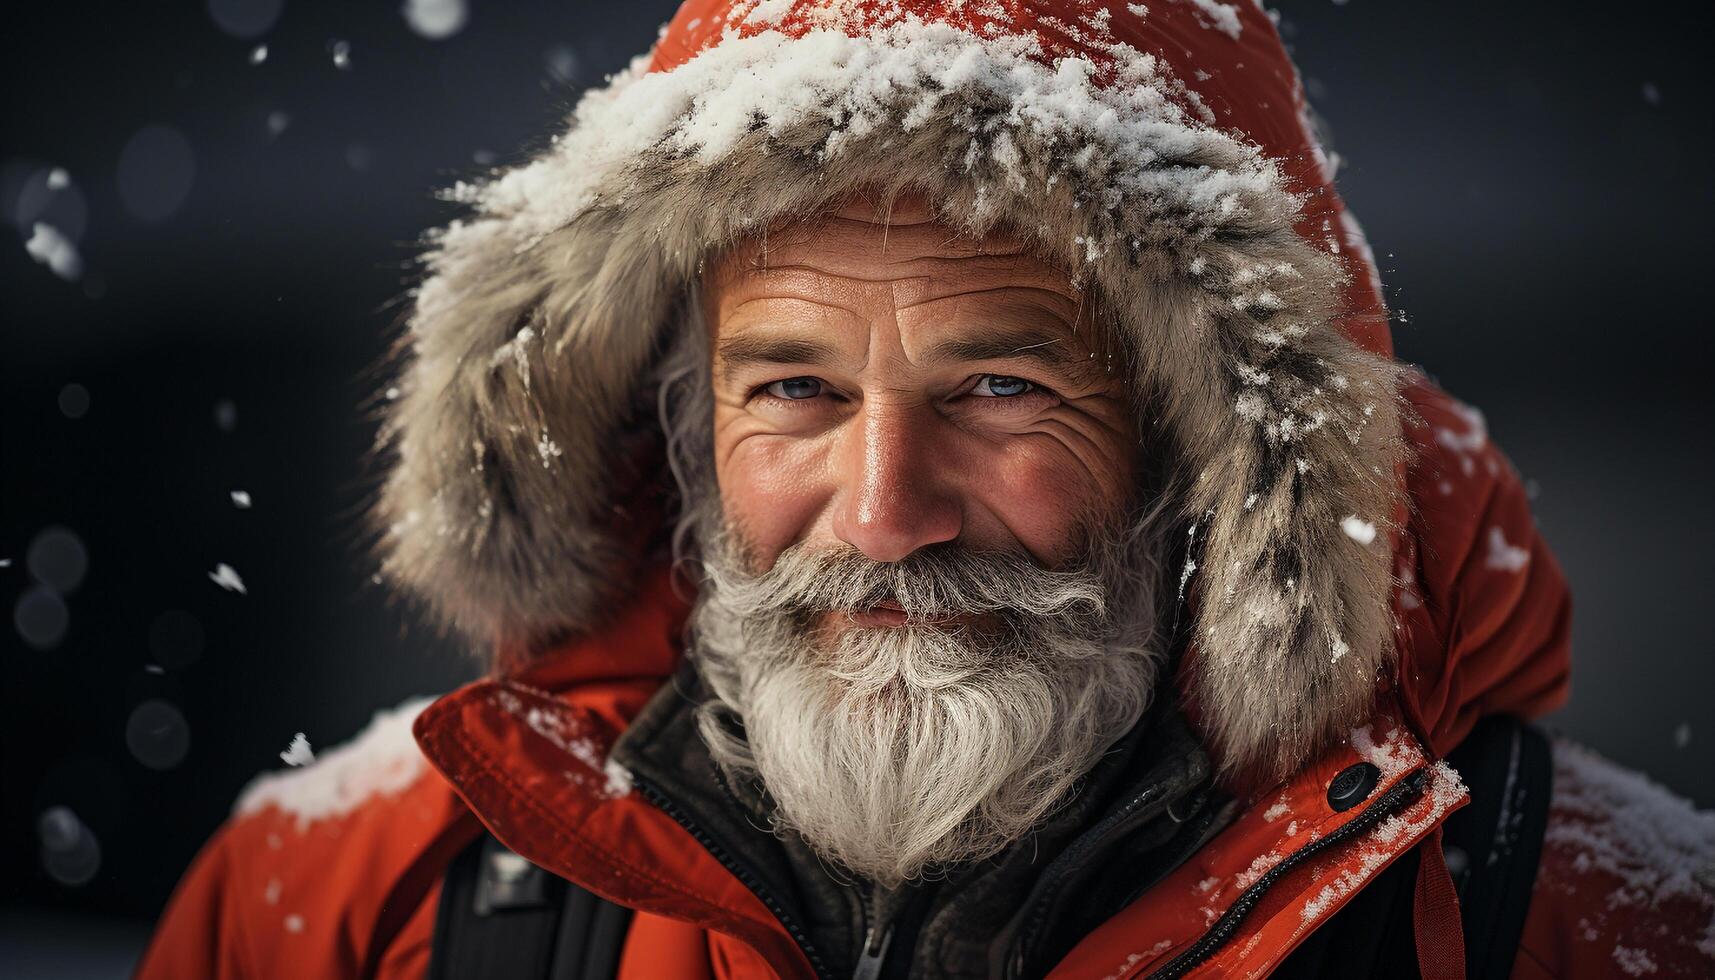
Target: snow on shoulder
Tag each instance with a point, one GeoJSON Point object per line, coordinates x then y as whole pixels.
{"type": "Point", "coordinates": [382, 760]}
{"type": "Point", "coordinates": [1653, 852]}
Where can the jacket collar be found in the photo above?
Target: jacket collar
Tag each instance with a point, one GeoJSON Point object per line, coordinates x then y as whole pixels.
{"type": "Point", "coordinates": [530, 756]}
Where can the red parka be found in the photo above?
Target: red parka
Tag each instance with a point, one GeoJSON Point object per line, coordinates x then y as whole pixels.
{"type": "Point", "coordinates": [1162, 149]}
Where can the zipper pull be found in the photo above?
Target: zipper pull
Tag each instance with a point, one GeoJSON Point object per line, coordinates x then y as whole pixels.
{"type": "Point", "coordinates": [874, 954]}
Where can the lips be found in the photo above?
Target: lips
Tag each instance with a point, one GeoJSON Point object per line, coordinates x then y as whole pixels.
{"type": "Point", "coordinates": [887, 612]}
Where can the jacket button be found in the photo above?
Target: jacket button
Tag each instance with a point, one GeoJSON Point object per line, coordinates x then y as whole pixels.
{"type": "Point", "coordinates": [1353, 785]}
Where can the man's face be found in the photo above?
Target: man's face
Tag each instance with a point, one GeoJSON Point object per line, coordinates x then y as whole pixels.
{"type": "Point", "coordinates": [929, 596]}
{"type": "Point", "coordinates": [885, 387]}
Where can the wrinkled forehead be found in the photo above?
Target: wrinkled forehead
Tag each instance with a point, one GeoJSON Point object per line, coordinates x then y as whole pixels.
{"type": "Point", "coordinates": [901, 242]}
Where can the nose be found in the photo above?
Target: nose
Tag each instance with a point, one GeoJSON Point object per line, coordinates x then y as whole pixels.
{"type": "Point", "coordinates": [896, 494]}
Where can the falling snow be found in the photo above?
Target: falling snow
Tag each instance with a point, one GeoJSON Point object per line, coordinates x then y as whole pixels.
{"type": "Point", "coordinates": [383, 760]}
{"type": "Point", "coordinates": [298, 753]}
{"type": "Point", "coordinates": [225, 577]}
{"type": "Point", "coordinates": [241, 499]}
{"type": "Point", "coordinates": [54, 250]}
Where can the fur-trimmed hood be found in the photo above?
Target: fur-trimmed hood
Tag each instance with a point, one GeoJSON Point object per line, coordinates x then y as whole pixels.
{"type": "Point", "coordinates": [1161, 151]}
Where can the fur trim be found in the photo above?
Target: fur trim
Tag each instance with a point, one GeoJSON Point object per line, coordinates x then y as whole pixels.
{"type": "Point", "coordinates": [534, 333]}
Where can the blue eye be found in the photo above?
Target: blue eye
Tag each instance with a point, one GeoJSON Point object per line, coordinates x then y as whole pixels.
{"type": "Point", "coordinates": [795, 389]}
{"type": "Point", "coordinates": [1000, 386]}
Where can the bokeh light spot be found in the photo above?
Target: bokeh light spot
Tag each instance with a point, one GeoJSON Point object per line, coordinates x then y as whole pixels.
{"type": "Point", "coordinates": [245, 18]}
{"type": "Point", "coordinates": [435, 19]}
{"type": "Point", "coordinates": [74, 401]}
{"type": "Point", "coordinates": [48, 196]}
{"type": "Point", "coordinates": [158, 735]}
{"type": "Point", "coordinates": [156, 171]}
{"type": "Point", "coordinates": [58, 559]}
{"type": "Point", "coordinates": [70, 853]}
{"type": "Point", "coordinates": [41, 618]}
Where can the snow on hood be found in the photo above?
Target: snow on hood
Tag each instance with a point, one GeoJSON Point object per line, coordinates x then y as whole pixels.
{"type": "Point", "coordinates": [1161, 152]}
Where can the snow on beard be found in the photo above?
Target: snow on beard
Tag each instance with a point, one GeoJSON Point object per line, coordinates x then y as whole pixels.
{"type": "Point", "coordinates": [898, 750]}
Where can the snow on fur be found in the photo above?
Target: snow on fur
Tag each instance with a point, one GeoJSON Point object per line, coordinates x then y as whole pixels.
{"type": "Point", "coordinates": [383, 760]}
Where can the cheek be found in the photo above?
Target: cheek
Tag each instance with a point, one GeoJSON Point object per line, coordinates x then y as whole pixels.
{"type": "Point", "coordinates": [1043, 493]}
{"type": "Point", "coordinates": [772, 490]}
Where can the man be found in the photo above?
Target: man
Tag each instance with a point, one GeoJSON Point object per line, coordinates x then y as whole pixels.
{"type": "Point", "coordinates": [933, 484]}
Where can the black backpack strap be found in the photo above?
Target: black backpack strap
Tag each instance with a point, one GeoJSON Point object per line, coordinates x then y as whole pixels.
{"type": "Point", "coordinates": [1494, 844]}
{"type": "Point", "coordinates": [1492, 847]}
{"type": "Point", "coordinates": [501, 916]}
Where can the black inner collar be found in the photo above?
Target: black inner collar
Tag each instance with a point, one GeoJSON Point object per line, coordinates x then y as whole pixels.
{"type": "Point", "coordinates": [1143, 808]}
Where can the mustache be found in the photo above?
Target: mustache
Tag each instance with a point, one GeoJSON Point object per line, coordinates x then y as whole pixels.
{"type": "Point", "coordinates": [938, 580]}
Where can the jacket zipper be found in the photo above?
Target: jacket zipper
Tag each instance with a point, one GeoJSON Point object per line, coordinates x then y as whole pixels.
{"type": "Point", "coordinates": [739, 870]}
{"type": "Point", "coordinates": [873, 954]}
{"type": "Point", "coordinates": [1048, 890]}
{"type": "Point", "coordinates": [1391, 802]}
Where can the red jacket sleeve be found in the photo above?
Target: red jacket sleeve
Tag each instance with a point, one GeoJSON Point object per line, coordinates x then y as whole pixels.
{"type": "Point", "coordinates": [198, 935]}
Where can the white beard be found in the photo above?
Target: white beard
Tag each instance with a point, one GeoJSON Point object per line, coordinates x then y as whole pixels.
{"type": "Point", "coordinates": [895, 751]}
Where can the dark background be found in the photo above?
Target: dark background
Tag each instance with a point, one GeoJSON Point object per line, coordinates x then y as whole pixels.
{"type": "Point", "coordinates": [1535, 179]}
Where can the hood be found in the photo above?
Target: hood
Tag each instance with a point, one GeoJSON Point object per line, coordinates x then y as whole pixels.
{"type": "Point", "coordinates": [1162, 152]}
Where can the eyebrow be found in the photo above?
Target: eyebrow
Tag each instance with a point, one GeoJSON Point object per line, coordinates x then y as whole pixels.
{"type": "Point", "coordinates": [1047, 350]}
{"type": "Point", "coordinates": [737, 352]}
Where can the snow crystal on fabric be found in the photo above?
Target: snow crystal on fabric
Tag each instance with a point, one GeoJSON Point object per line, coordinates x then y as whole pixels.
{"type": "Point", "coordinates": [383, 760]}
{"type": "Point", "coordinates": [1468, 445]}
{"type": "Point", "coordinates": [1135, 958]}
{"type": "Point", "coordinates": [1636, 962]}
{"type": "Point", "coordinates": [1223, 17]}
{"type": "Point", "coordinates": [561, 729]}
{"type": "Point", "coordinates": [1381, 844]}
{"type": "Point", "coordinates": [1502, 556]}
{"type": "Point", "coordinates": [1392, 754]}
{"type": "Point", "coordinates": [1654, 853]}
